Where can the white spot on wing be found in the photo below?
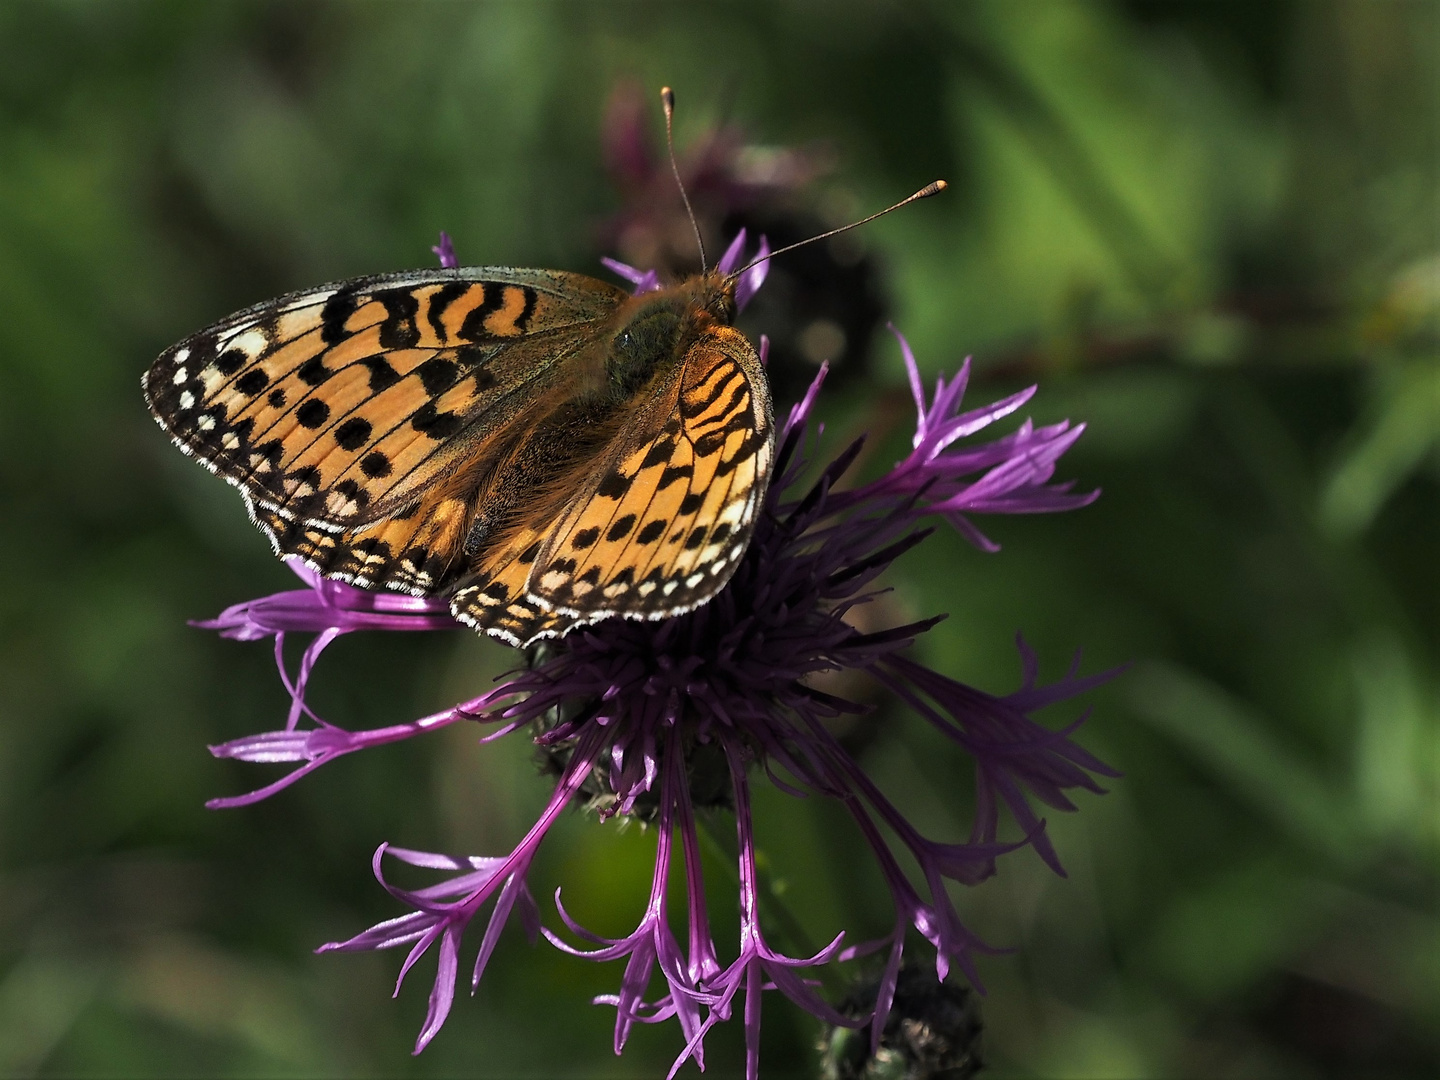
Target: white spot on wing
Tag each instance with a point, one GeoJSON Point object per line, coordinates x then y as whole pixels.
{"type": "Point", "coordinates": [733, 513]}
{"type": "Point", "coordinates": [252, 343]}
{"type": "Point", "coordinates": [337, 502]}
{"type": "Point", "coordinates": [187, 400]}
{"type": "Point", "coordinates": [180, 375]}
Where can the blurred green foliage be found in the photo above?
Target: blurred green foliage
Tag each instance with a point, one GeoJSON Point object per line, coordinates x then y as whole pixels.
{"type": "Point", "coordinates": [1207, 228]}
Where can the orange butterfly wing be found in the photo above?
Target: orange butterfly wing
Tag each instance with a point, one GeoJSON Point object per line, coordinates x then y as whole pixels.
{"type": "Point", "coordinates": [419, 432]}
{"type": "Point", "coordinates": [339, 411]}
{"type": "Point", "coordinates": [331, 405]}
{"type": "Point", "coordinates": [665, 519]}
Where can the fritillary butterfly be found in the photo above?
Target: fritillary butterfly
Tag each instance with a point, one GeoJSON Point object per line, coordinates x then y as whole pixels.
{"type": "Point", "coordinates": [540, 447]}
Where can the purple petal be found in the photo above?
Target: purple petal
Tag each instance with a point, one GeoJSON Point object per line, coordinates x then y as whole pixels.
{"type": "Point", "coordinates": [731, 259]}
{"type": "Point", "coordinates": [917, 386]}
{"type": "Point", "coordinates": [232, 801]}
{"type": "Point", "coordinates": [643, 280]}
{"type": "Point", "coordinates": [442, 994]}
{"type": "Point", "coordinates": [385, 935]}
{"type": "Point", "coordinates": [445, 252]}
{"type": "Point", "coordinates": [751, 280]}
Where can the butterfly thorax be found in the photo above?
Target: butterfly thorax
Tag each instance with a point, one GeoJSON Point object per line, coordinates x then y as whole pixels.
{"type": "Point", "coordinates": [656, 329]}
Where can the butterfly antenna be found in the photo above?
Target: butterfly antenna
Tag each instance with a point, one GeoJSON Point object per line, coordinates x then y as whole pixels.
{"type": "Point", "coordinates": [924, 193]}
{"type": "Point", "coordinates": [667, 98]}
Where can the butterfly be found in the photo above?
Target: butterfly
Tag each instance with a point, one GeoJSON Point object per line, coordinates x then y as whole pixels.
{"type": "Point", "coordinates": [541, 448]}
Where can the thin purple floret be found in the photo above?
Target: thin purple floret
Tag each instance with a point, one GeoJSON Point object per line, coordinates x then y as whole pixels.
{"type": "Point", "coordinates": [445, 252]}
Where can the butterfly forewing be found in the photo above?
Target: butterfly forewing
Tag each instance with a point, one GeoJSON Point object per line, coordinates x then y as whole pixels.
{"type": "Point", "coordinates": [414, 551]}
{"type": "Point", "coordinates": [339, 405]}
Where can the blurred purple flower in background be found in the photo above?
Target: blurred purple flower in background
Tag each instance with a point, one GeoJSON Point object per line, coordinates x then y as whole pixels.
{"type": "Point", "coordinates": [722, 171]}
{"type": "Point", "coordinates": [830, 301]}
{"type": "Point", "coordinates": [652, 719]}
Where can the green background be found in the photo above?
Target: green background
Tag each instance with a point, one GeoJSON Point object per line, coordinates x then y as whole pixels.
{"type": "Point", "coordinates": [1207, 229]}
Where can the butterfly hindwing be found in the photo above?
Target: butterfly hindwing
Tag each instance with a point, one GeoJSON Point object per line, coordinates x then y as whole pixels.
{"type": "Point", "coordinates": [413, 551]}
{"type": "Point", "coordinates": [662, 525]}
{"type": "Point", "coordinates": [339, 405]}
{"type": "Point", "coordinates": [494, 597]}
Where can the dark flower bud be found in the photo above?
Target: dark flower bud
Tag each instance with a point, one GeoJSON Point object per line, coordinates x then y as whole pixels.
{"type": "Point", "coordinates": [933, 1032]}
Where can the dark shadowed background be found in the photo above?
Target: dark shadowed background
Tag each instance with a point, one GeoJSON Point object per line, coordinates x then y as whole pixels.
{"type": "Point", "coordinates": [1208, 229]}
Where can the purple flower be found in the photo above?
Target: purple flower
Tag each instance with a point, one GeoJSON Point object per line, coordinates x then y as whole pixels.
{"type": "Point", "coordinates": [724, 173]}
{"type": "Point", "coordinates": [745, 288]}
{"type": "Point", "coordinates": [445, 252]}
{"type": "Point", "coordinates": [643, 716]}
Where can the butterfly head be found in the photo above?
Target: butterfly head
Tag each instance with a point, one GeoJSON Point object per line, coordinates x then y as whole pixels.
{"type": "Point", "coordinates": [714, 294]}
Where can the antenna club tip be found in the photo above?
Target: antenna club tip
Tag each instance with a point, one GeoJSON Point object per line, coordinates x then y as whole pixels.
{"type": "Point", "coordinates": [667, 98]}
{"type": "Point", "coordinates": [931, 189]}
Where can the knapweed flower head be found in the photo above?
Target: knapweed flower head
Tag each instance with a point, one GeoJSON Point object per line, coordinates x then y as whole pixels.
{"type": "Point", "coordinates": [656, 719]}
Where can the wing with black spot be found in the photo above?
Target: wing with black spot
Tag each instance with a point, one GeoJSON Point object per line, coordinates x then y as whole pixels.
{"type": "Point", "coordinates": [339, 406]}
{"type": "Point", "coordinates": [666, 515]}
